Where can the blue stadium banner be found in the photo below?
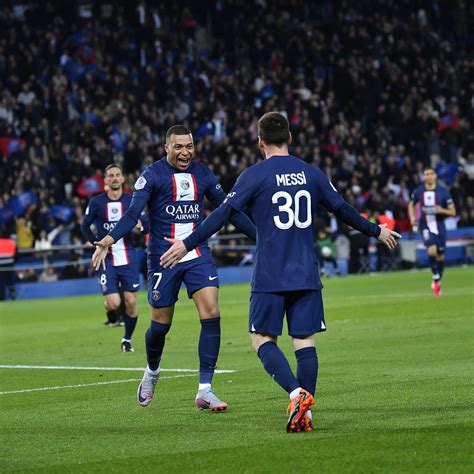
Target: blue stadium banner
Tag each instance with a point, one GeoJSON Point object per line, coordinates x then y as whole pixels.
{"type": "Point", "coordinates": [62, 213]}
{"type": "Point", "coordinates": [20, 203]}
{"type": "Point", "coordinates": [6, 213]}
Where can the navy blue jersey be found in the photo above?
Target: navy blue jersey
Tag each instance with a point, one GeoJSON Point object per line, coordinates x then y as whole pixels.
{"type": "Point", "coordinates": [428, 199]}
{"type": "Point", "coordinates": [104, 213]}
{"type": "Point", "coordinates": [175, 202]}
{"type": "Point", "coordinates": [281, 194]}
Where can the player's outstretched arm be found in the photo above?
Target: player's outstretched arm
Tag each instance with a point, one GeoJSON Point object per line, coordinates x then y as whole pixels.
{"type": "Point", "coordinates": [350, 216]}
{"type": "Point", "coordinates": [101, 250]}
{"type": "Point", "coordinates": [388, 237]}
{"type": "Point", "coordinates": [174, 254]}
{"type": "Point", "coordinates": [213, 222]}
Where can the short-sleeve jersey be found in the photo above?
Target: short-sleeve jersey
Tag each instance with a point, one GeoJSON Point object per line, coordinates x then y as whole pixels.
{"type": "Point", "coordinates": [104, 213]}
{"type": "Point", "coordinates": [281, 194]}
{"type": "Point", "coordinates": [175, 202]}
{"type": "Point", "coordinates": [428, 199]}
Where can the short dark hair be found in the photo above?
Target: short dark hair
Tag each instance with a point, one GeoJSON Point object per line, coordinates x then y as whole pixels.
{"type": "Point", "coordinates": [113, 165]}
{"type": "Point", "coordinates": [273, 128]}
{"type": "Point", "coordinates": [428, 168]}
{"type": "Point", "coordinates": [177, 130]}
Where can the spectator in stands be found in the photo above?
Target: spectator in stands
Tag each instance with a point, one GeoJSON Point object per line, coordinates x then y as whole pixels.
{"type": "Point", "coordinates": [374, 92]}
{"type": "Point", "coordinates": [326, 252]}
{"type": "Point", "coordinates": [48, 275]}
{"type": "Point", "coordinates": [24, 233]}
{"type": "Point", "coordinates": [45, 239]}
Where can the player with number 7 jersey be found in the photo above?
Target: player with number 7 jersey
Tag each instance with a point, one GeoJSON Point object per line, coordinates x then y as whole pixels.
{"type": "Point", "coordinates": [174, 188]}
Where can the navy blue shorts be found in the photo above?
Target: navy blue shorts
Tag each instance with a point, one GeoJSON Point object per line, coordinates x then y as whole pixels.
{"type": "Point", "coordinates": [430, 239]}
{"type": "Point", "coordinates": [304, 313]}
{"type": "Point", "coordinates": [113, 279]}
{"type": "Point", "coordinates": [164, 283]}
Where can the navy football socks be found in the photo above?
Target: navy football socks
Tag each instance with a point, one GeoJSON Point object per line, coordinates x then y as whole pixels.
{"type": "Point", "coordinates": [307, 368]}
{"type": "Point", "coordinates": [154, 342]}
{"type": "Point", "coordinates": [208, 348]}
{"type": "Point", "coordinates": [130, 324]}
{"type": "Point", "coordinates": [440, 268]}
{"type": "Point", "coordinates": [113, 315]}
{"type": "Point", "coordinates": [434, 267]}
{"type": "Point", "coordinates": [276, 364]}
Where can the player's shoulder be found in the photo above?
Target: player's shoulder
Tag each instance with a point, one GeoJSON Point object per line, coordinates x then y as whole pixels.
{"type": "Point", "coordinates": [199, 167]}
{"type": "Point", "coordinates": [441, 188]}
{"type": "Point", "coordinates": [126, 196]}
{"type": "Point", "coordinates": [155, 168]}
{"type": "Point", "coordinates": [149, 175]}
{"type": "Point", "coordinates": [98, 198]}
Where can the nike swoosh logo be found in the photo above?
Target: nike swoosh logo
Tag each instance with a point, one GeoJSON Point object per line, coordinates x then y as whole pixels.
{"type": "Point", "coordinates": [212, 278]}
{"type": "Point", "coordinates": [183, 195]}
{"type": "Point", "coordinates": [136, 285]}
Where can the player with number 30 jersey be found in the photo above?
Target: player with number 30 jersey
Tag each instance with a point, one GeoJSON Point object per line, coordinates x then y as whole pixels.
{"type": "Point", "coordinates": [281, 195]}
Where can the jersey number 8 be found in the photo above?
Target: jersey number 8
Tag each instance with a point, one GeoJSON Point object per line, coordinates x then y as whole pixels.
{"type": "Point", "coordinates": [291, 207]}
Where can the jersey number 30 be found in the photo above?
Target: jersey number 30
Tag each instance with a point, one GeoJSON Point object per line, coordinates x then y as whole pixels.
{"type": "Point", "coordinates": [291, 207]}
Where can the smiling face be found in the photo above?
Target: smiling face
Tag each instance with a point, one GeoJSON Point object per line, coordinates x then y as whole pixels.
{"type": "Point", "coordinates": [180, 151]}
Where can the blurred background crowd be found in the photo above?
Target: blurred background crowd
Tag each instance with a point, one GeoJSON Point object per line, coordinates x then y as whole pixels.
{"type": "Point", "coordinates": [374, 91]}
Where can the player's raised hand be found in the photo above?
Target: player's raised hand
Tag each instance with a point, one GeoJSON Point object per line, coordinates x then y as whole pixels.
{"type": "Point", "coordinates": [388, 237]}
{"type": "Point", "coordinates": [174, 254]}
{"type": "Point", "coordinates": [101, 250]}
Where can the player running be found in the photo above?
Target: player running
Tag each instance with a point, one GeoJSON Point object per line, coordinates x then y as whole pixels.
{"type": "Point", "coordinates": [436, 205]}
{"type": "Point", "coordinates": [282, 193]}
{"type": "Point", "coordinates": [120, 274]}
{"type": "Point", "coordinates": [174, 188]}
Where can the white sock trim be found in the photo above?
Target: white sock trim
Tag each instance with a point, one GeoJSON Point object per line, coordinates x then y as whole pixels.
{"type": "Point", "coordinates": [295, 393]}
{"type": "Point", "coordinates": [153, 372]}
{"type": "Point", "coordinates": [204, 386]}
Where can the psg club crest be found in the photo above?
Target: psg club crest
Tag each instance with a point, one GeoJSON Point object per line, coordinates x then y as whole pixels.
{"type": "Point", "coordinates": [184, 184]}
{"type": "Point", "coordinates": [155, 295]}
{"type": "Point", "coordinates": [114, 210]}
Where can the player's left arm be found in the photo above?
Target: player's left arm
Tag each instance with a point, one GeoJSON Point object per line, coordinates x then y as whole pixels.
{"type": "Point", "coordinates": [334, 202]}
{"type": "Point", "coordinates": [216, 195]}
{"type": "Point", "coordinates": [143, 223]}
{"type": "Point", "coordinates": [86, 223]}
{"type": "Point", "coordinates": [449, 209]}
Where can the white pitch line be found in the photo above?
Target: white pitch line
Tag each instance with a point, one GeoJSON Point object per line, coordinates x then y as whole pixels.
{"type": "Point", "coordinates": [122, 369]}
{"type": "Point", "coordinates": [62, 387]}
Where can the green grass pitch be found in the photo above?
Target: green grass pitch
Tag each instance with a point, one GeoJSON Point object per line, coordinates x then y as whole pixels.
{"type": "Point", "coordinates": [394, 389]}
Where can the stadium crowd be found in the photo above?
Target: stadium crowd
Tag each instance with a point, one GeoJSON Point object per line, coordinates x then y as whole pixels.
{"type": "Point", "coordinates": [374, 91]}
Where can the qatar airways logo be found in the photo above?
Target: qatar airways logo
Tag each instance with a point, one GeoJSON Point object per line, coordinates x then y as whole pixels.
{"type": "Point", "coordinates": [109, 225]}
{"type": "Point", "coordinates": [184, 212]}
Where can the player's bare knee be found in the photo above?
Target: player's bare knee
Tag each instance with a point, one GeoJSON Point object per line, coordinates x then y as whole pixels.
{"type": "Point", "coordinates": [131, 306]}
{"type": "Point", "coordinates": [432, 251]}
{"type": "Point", "coordinates": [303, 342]}
{"type": "Point", "coordinates": [112, 304]}
{"type": "Point", "coordinates": [162, 315]}
{"type": "Point", "coordinates": [260, 339]}
{"type": "Point", "coordinates": [209, 312]}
